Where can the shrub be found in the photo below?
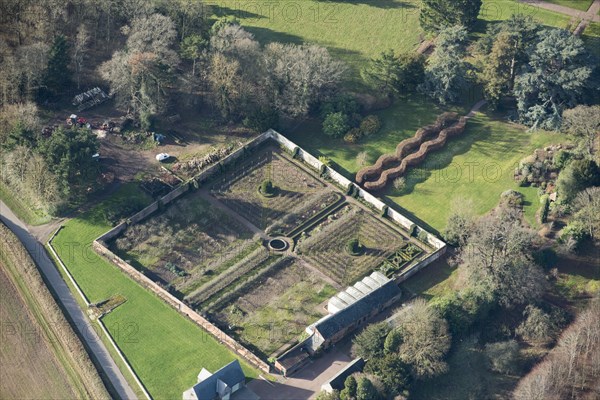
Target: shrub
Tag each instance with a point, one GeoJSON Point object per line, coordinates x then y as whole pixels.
{"type": "Point", "coordinates": [353, 136]}
{"type": "Point", "coordinates": [345, 104]}
{"type": "Point", "coordinates": [423, 237]}
{"type": "Point", "coordinates": [544, 210]}
{"type": "Point", "coordinates": [335, 124]}
{"type": "Point", "coordinates": [503, 356]}
{"type": "Point", "coordinates": [413, 230]}
{"type": "Point", "coordinates": [573, 235]}
{"type": "Point", "coordinates": [262, 120]}
{"type": "Point", "coordinates": [538, 326]}
{"type": "Point", "coordinates": [561, 159]}
{"type": "Point", "coordinates": [370, 125]}
{"type": "Point", "coordinates": [353, 247]}
{"type": "Point", "coordinates": [384, 211]}
{"type": "Point", "coordinates": [325, 160]}
{"type": "Point", "coordinates": [400, 183]}
{"type": "Point", "coordinates": [511, 198]}
{"type": "Point", "coordinates": [267, 188]}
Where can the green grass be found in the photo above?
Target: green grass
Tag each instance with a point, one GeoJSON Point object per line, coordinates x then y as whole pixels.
{"type": "Point", "coordinates": [591, 37]}
{"type": "Point", "coordinates": [166, 350]}
{"type": "Point", "coordinates": [499, 10]}
{"type": "Point", "coordinates": [435, 280]}
{"type": "Point", "coordinates": [581, 5]}
{"type": "Point", "coordinates": [478, 165]}
{"type": "Point", "coordinates": [25, 213]}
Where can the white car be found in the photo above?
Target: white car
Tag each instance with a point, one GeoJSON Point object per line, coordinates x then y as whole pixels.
{"type": "Point", "coordinates": [162, 157]}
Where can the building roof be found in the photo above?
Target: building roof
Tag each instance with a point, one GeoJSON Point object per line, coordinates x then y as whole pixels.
{"type": "Point", "coordinates": [361, 287]}
{"type": "Point", "coordinates": [329, 327]}
{"type": "Point", "coordinates": [379, 277]}
{"type": "Point", "coordinates": [337, 382]}
{"type": "Point", "coordinates": [228, 376]}
{"type": "Point", "coordinates": [354, 292]}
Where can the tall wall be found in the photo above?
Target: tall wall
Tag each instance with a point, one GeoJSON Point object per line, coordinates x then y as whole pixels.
{"type": "Point", "coordinates": [344, 182]}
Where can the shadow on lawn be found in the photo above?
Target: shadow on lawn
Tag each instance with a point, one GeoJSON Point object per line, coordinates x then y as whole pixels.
{"type": "Point", "coordinates": [385, 4]}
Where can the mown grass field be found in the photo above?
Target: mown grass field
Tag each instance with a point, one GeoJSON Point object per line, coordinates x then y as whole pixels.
{"type": "Point", "coordinates": [478, 165]}
{"type": "Point", "coordinates": [166, 350]}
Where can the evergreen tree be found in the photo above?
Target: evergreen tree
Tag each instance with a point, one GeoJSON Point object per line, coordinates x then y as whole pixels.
{"type": "Point", "coordinates": [554, 79]}
{"type": "Point", "coordinates": [58, 76]}
{"type": "Point", "coordinates": [382, 72]}
{"type": "Point", "coordinates": [446, 75]}
{"type": "Point", "coordinates": [365, 390]}
{"type": "Point", "coordinates": [437, 15]}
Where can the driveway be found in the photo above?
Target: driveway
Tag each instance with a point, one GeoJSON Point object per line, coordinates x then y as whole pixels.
{"type": "Point", "coordinates": [109, 371]}
{"type": "Point", "coordinates": [306, 383]}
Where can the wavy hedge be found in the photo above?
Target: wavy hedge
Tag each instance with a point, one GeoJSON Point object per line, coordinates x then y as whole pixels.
{"type": "Point", "coordinates": [429, 138]}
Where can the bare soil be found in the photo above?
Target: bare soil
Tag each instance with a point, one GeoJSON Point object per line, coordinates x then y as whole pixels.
{"type": "Point", "coordinates": [29, 366]}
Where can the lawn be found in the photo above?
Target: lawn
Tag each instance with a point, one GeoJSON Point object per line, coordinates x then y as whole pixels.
{"type": "Point", "coordinates": [591, 37]}
{"type": "Point", "coordinates": [166, 350]}
{"type": "Point", "coordinates": [582, 5]}
{"type": "Point", "coordinates": [478, 165]}
{"type": "Point", "coordinates": [355, 30]}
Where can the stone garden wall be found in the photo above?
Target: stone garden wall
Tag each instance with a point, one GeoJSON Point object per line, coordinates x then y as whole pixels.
{"type": "Point", "coordinates": [99, 244]}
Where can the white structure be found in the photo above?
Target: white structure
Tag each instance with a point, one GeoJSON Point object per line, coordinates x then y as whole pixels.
{"type": "Point", "coordinates": [356, 292]}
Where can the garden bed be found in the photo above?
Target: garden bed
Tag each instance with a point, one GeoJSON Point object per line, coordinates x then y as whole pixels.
{"type": "Point", "coordinates": [324, 245]}
{"type": "Point", "coordinates": [277, 308]}
{"type": "Point", "coordinates": [298, 194]}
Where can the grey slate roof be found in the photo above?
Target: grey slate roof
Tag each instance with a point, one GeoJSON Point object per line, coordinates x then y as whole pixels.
{"type": "Point", "coordinates": [337, 382]}
{"type": "Point", "coordinates": [231, 374]}
{"type": "Point", "coordinates": [337, 322]}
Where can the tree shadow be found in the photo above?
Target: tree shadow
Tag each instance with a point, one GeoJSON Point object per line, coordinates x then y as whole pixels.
{"type": "Point", "coordinates": [239, 13]}
{"type": "Point", "coordinates": [384, 4]}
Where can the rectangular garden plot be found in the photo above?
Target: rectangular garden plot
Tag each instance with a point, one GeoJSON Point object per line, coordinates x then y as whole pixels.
{"type": "Point", "coordinates": [325, 246]}
{"type": "Point", "coordinates": [259, 262]}
{"type": "Point", "coordinates": [186, 245]}
{"type": "Point", "coordinates": [275, 309]}
{"type": "Point", "coordinates": [297, 195]}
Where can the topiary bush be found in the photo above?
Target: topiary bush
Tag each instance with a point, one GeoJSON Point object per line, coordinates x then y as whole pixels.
{"type": "Point", "coordinates": [353, 247]}
{"type": "Point", "coordinates": [267, 189]}
{"type": "Point", "coordinates": [370, 125]}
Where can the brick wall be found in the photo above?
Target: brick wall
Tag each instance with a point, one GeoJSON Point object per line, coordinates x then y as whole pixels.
{"type": "Point", "coordinates": [181, 307]}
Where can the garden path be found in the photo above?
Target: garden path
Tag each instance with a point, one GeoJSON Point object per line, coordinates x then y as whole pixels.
{"type": "Point", "coordinates": [591, 15]}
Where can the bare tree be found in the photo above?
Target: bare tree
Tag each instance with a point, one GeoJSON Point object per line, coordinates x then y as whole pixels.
{"type": "Point", "coordinates": [225, 81]}
{"type": "Point", "coordinates": [300, 76]}
{"type": "Point", "coordinates": [496, 260]}
{"type": "Point", "coordinates": [425, 338]}
{"type": "Point", "coordinates": [80, 48]}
